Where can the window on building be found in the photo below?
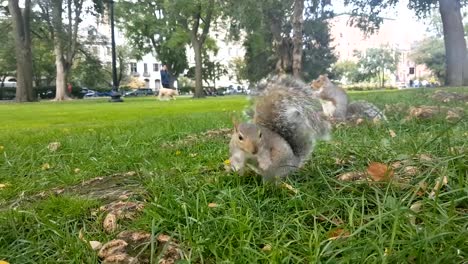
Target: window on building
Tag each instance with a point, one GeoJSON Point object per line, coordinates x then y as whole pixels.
{"type": "Point", "coordinates": [411, 70]}
{"type": "Point", "coordinates": [155, 67]}
{"type": "Point", "coordinates": [145, 67]}
{"type": "Point", "coordinates": [133, 67]}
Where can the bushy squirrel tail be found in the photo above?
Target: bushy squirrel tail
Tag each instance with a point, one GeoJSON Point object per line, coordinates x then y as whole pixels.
{"type": "Point", "coordinates": [288, 107]}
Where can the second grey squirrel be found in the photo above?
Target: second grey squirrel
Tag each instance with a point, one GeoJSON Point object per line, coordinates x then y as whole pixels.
{"type": "Point", "coordinates": [284, 126]}
{"type": "Point", "coordinates": [336, 105]}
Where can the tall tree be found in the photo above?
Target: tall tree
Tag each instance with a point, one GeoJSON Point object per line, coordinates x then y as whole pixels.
{"type": "Point", "coordinates": [148, 28]}
{"type": "Point", "coordinates": [298, 28]}
{"type": "Point", "coordinates": [64, 35]}
{"type": "Point", "coordinates": [366, 15]}
{"type": "Point", "coordinates": [377, 62]}
{"type": "Point", "coordinates": [20, 18]}
{"type": "Point", "coordinates": [7, 54]}
{"type": "Point", "coordinates": [195, 19]}
{"type": "Point", "coordinates": [269, 26]}
{"type": "Point", "coordinates": [169, 26]}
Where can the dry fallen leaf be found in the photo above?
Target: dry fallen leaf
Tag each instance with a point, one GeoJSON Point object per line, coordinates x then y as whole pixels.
{"type": "Point", "coordinates": [95, 245]}
{"type": "Point", "coordinates": [45, 166]}
{"type": "Point", "coordinates": [379, 171]}
{"type": "Point", "coordinates": [289, 187]}
{"type": "Point", "coordinates": [163, 238]}
{"type": "Point", "coordinates": [4, 262]}
{"type": "Point", "coordinates": [411, 170]}
{"type": "Point", "coordinates": [422, 187]}
{"type": "Point", "coordinates": [425, 157]}
{"type": "Point", "coordinates": [212, 205]}
{"type": "Point", "coordinates": [452, 116]}
{"type": "Point", "coordinates": [81, 236]}
{"type": "Point", "coordinates": [76, 170]}
{"type": "Point", "coordinates": [352, 176]}
{"type": "Point", "coordinates": [338, 233]}
{"type": "Point", "coordinates": [130, 173]}
{"type": "Point", "coordinates": [110, 223]}
{"type": "Point", "coordinates": [171, 254]}
{"type": "Point", "coordinates": [266, 248]}
{"type": "Point", "coordinates": [120, 259]}
{"type": "Point", "coordinates": [134, 236]}
{"type": "Point", "coordinates": [439, 184]}
{"type": "Point", "coordinates": [416, 207]}
{"type": "Point", "coordinates": [2, 185]}
{"type": "Point", "coordinates": [359, 121]}
{"type": "Point", "coordinates": [54, 146]}
{"type": "Point", "coordinates": [392, 133]}
{"type": "Point", "coordinates": [112, 247]}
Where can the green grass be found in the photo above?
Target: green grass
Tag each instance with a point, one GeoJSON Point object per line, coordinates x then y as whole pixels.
{"type": "Point", "coordinates": [101, 138]}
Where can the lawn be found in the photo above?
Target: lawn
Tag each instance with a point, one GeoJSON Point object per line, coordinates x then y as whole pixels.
{"type": "Point", "coordinates": [218, 217]}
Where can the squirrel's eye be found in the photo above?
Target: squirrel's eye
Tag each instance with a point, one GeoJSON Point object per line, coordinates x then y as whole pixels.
{"type": "Point", "coordinates": [240, 137]}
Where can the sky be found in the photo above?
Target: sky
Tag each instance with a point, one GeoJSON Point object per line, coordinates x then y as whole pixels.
{"type": "Point", "coordinates": [401, 13]}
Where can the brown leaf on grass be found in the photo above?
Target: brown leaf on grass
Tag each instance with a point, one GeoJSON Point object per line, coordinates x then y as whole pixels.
{"type": "Point", "coordinates": [134, 236]}
{"type": "Point", "coordinates": [379, 171]}
{"type": "Point", "coordinates": [289, 188]}
{"type": "Point", "coordinates": [452, 116]}
{"type": "Point", "coordinates": [45, 166]}
{"type": "Point", "coordinates": [439, 184]}
{"type": "Point", "coordinates": [352, 176]}
{"type": "Point", "coordinates": [338, 233]}
{"type": "Point", "coordinates": [113, 247]}
{"type": "Point", "coordinates": [416, 207]}
{"type": "Point", "coordinates": [163, 238]}
{"type": "Point", "coordinates": [95, 245]}
{"type": "Point", "coordinates": [81, 236]}
{"type": "Point", "coordinates": [411, 170]}
{"type": "Point", "coordinates": [120, 259]}
{"type": "Point", "coordinates": [212, 205]}
{"type": "Point", "coordinates": [266, 248]}
{"type": "Point", "coordinates": [171, 254]}
{"type": "Point", "coordinates": [110, 223]}
{"type": "Point", "coordinates": [421, 189]}
{"type": "Point", "coordinates": [423, 112]}
{"type": "Point", "coordinates": [53, 146]}
{"type": "Point", "coordinates": [359, 121]}
{"type": "Point", "coordinates": [130, 173]}
{"type": "Point", "coordinates": [397, 164]}
{"type": "Point", "coordinates": [425, 157]}
{"type": "Point", "coordinates": [392, 133]}
{"type": "Point", "coordinates": [123, 209]}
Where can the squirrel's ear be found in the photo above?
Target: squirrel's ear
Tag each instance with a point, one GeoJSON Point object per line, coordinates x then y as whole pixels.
{"type": "Point", "coordinates": [235, 122]}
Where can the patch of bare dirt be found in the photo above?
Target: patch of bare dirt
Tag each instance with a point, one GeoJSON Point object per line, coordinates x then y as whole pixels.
{"type": "Point", "coordinates": [120, 186]}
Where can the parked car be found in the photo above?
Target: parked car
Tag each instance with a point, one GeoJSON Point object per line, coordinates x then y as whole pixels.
{"type": "Point", "coordinates": [140, 92]}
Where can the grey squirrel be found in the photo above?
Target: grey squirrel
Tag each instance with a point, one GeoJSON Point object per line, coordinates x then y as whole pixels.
{"type": "Point", "coordinates": [335, 102]}
{"type": "Point", "coordinates": [335, 99]}
{"type": "Point", "coordinates": [284, 127]}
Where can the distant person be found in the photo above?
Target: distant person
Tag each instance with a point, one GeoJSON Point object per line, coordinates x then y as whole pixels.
{"type": "Point", "coordinates": [165, 77]}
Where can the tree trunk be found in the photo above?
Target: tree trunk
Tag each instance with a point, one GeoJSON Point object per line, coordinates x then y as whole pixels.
{"type": "Point", "coordinates": [198, 70]}
{"type": "Point", "coordinates": [22, 32]}
{"type": "Point", "coordinates": [455, 44]}
{"type": "Point", "coordinates": [298, 28]}
{"type": "Point", "coordinates": [61, 78]}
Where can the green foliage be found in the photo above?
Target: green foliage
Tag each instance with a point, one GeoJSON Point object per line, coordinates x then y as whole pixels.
{"type": "Point", "coordinates": [7, 50]}
{"type": "Point", "coordinates": [265, 21]}
{"type": "Point", "coordinates": [431, 52]}
{"type": "Point", "coordinates": [43, 61]}
{"type": "Point", "coordinates": [239, 66]}
{"type": "Point", "coordinates": [90, 72]}
{"type": "Point", "coordinates": [376, 62]}
{"type": "Point", "coordinates": [347, 70]}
